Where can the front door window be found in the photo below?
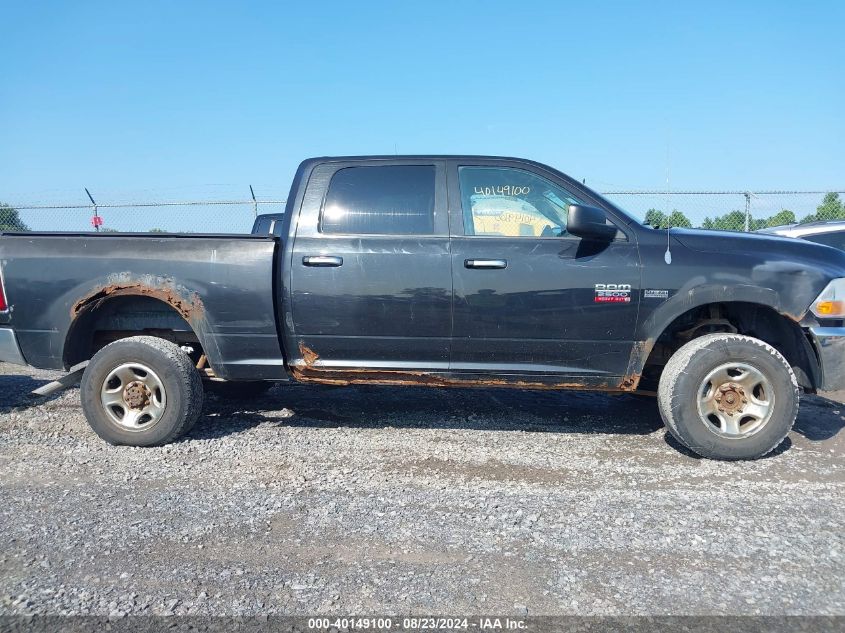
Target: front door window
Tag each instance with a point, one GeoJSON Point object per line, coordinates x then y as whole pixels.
{"type": "Point", "coordinates": [507, 202]}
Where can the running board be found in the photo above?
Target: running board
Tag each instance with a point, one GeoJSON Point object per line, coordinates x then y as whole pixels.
{"type": "Point", "coordinates": [70, 380]}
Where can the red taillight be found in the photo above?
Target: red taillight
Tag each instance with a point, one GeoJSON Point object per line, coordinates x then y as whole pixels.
{"type": "Point", "coordinates": [3, 306]}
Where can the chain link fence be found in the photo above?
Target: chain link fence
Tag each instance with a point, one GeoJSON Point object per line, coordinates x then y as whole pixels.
{"type": "Point", "coordinates": [731, 210]}
{"type": "Point", "coordinates": [191, 216]}
{"type": "Point", "coordinates": [211, 208]}
{"type": "Point", "coordinates": [727, 210]}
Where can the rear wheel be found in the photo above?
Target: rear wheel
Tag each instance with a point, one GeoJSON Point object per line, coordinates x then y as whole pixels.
{"type": "Point", "coordinates": [728, 396]}
{"type": "Point", "coordinates": [141, 391]}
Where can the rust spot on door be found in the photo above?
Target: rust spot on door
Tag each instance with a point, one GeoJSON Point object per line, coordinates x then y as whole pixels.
{"type": "Point", "coordinates": [630, 382]}
{"type": "Point", "coordinates": [308, 355]}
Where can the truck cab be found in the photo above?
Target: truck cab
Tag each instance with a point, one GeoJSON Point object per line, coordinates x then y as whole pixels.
{"type": "Point", "coordinates": [462, 269]}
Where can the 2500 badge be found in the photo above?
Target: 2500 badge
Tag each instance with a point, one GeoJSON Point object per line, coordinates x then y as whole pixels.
{"type": "Point", "coordinates": [613, 293]}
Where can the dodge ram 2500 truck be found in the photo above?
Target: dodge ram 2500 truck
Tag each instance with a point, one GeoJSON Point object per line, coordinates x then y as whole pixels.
{"type": "Point", "coordinates": [445, 271]}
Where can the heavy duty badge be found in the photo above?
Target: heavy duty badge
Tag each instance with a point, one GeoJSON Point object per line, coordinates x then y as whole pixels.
{"type": "Point", "coordinates": [613, 293]}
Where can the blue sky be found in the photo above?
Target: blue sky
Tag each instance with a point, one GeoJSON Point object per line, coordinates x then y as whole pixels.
{"type": "Point", "coordinates": [183, 99]}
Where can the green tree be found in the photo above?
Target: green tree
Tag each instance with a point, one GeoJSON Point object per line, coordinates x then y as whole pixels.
{"type": "Point", "coordinates": [782, 217]}
{"type": "Point", "coordinates": [655, 218]}
{"type": "Point", "coordinates": [10, 219]}
{"type": "Point", "coordinates": [831, 208]}
{"type": "Point", "coordinates": [733, 221]}
{"type": "Point", "coordinates": [659, 220]}
{"type": "Point", "coordinates": [678, 219]}
{"type": "Point", "coordinates": [157, 230]}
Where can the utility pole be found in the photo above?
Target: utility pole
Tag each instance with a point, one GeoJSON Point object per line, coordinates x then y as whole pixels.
{"type": "Point", "coordinates": [254, 203]}
{"type": "Point", "coordinates": [96, 220]}
{"type": "Point", "coordinates": [747, 211]}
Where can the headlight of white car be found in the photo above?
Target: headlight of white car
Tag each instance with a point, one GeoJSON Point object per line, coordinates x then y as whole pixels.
{"type": "Point", "coordinates": [830, 304]}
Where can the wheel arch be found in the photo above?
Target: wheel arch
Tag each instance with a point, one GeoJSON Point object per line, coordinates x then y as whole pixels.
{"type": "Point", "coordinates": [130, 308]}
{"type": "Point", "coordinates": [753, 312]}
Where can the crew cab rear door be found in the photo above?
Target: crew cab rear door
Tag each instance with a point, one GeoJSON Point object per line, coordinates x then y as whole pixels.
{"type": "Point", "coordinates": [529, 298]}
{"type": "Point", "coordinates": [371, 282]}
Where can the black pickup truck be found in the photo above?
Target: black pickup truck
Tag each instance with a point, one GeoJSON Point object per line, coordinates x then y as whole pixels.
{"type": "Point", "coordinates": [445, 271]}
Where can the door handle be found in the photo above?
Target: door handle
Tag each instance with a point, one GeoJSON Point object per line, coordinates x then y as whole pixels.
{"type": "Point", "coordinates": [322, 260]}
{"type": "Point", "coordinates": [488, 264]}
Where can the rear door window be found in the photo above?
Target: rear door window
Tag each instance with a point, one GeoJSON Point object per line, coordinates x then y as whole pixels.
{"type": "Point", "coordinates": [380, 200]}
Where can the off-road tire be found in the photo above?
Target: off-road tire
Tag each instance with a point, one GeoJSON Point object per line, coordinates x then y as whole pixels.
{"type": "Point", "coordinates": [178, 375]}
{"type": "Point", "coordinates": [238, 390]}
{"type": "Point", "coordinates": [681, 382]}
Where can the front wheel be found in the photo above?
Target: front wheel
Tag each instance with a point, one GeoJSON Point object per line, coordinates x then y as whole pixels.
{"type": "Point", "coordinates": [728, 396]}
{"type": "Point", "coordinates": [141, 391]}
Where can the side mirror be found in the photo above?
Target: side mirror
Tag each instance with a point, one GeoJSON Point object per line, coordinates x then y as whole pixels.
{"type": "Point", "coordinates": [589, 223]}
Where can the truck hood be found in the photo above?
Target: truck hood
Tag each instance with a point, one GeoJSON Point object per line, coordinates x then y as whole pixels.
{"type": "Point", "coordinates": [771, 249]}
{"type": "Point", "coordinates": [794, 270]}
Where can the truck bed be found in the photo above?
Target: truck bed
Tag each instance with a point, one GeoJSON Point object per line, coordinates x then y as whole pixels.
{"type": "Point", "coordinates": [218, 287]}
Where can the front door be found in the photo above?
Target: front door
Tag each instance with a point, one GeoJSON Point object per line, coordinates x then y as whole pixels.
{"type": "Point", "coordinates": [529, 298]}
{"type": "Point", "coordinates": [371, 283]}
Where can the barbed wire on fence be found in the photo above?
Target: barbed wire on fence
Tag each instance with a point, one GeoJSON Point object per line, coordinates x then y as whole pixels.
{"type": "Point", "coordinates": [129, 205]}
{"type": "Point", "coordinates": [139, 216]}
{"type": "Point", "coordinates": [737, 210]}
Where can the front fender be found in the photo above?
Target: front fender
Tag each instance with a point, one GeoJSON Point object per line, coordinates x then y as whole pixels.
{"type": "Point", "coordinates": [662, 316]}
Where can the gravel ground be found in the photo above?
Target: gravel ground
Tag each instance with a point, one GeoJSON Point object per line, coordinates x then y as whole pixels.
{"type": "Point", "coordinates": [389, 500]}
